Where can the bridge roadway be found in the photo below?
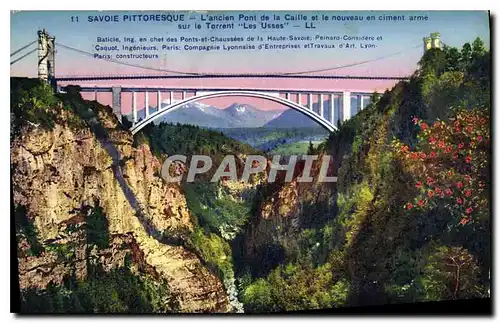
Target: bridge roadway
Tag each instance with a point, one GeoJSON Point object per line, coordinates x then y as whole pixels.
{"type": "Point", "coordinates": [68, 78]}
{"type": "Point", "coordinates": [186, 89]}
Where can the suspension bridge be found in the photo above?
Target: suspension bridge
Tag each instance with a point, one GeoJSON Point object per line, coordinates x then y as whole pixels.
{"type": "Point", "coordinates": [331, 106]}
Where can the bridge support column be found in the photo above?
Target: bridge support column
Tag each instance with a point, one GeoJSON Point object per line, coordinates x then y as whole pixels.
{"type": "Point", "coordinates": [310, 101]}
{"type": "Point", "coordinates": [299, 99]}
{"type": "Point", "coordinates": [51, 63]}
{"type": "Point", "coordinates": [117, 102]}
{"type": "Point", "coordinates": [287, 96]}
{"type": "Point", "coordinates": [171, 97]}
{"type": "Point", "coordinates": [346, 105]}
{"type": "Point", "coordinates": [158, 97]}
{"type": "Point", "coordinates": [43, 54]}
{"type": "Point", "coordinates": [95, 93]}
{"type": "Point", "coordinates": [146, 103]}
{"type": "Point", "coordinates": [183, 95]}
{"type": "Point", "coordinates": [134, 107]}
{"type": "Point", "coordinates": [360, 102]}
{"type": "Point", "coordinates": [331, 117]}
{"type": "Point", "coordinates": [320, 105]}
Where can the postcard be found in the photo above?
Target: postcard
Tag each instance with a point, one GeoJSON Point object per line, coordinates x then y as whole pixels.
{"type": "Point", "coordinates": [243, 162]}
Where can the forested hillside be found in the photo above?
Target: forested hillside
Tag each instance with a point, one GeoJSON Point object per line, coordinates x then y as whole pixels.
{"type": "Point", "coordinates": [411, 218]}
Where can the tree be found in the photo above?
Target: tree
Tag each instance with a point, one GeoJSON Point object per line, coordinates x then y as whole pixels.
{"type": "Point", "coordinates": [451, 273]}
{"type": "Point", "coordinates": [310, 149]}
{"type": "Point", "coordinates": [452, 59]}
{"type": "Point", "coordinates": [478, 48]}
{"type": "Point", "coordinates": [433, 62]}
{"type": "Point", "coordinates": [374, 98]}
{"type": "Point", "coordinates": [466, 56]}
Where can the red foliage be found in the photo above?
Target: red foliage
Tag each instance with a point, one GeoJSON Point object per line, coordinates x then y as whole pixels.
{"type": "Point", "coordinates": [450, 164]}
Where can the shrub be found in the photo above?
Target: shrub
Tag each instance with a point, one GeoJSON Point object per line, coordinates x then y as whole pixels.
{"type": "Point", "coordinates": [451, 165]}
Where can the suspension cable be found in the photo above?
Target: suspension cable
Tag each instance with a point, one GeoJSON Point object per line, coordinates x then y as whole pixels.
{"type": "Point", "coordinates": [20, 58]}
{"type": "Point", "coordinates": [242, 74]}
{"type": "Point", "coordinates": [22, 48]}
{"type": "Point", "coordinates": [124, 63]}
{"type": "Point", "coordinates": [352, 64]}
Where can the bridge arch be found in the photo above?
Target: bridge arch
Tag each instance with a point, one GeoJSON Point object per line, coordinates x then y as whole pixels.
{"type": "Point", "coordinates": [307, 112]}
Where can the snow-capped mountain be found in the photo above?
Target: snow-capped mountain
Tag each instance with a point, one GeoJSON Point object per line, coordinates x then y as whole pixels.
{"type": "Point", "coordinates": [204, 115]}
{"type": "Point", "coordinates": [196, 113]}
{"type": "Point", "coordinates": [247, 116]}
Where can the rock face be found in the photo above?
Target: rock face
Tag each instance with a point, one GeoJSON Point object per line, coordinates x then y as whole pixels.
{"type": "Point", "coordinates": [285, 210]}
{"type": "Point", "coordinates": [60, 171]}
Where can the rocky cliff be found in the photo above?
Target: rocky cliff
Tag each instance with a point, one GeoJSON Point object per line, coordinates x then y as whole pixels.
{"type": "Point", "coordinates": [61, 172]}
{"type": "Point", "coordinates": [283, 211]}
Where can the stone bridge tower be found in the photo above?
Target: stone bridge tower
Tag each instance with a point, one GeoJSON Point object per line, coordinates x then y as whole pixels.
{"type": "Point", "coordinates": [427, 44]}
{"type": "Point", "coordinates": [46, 57]}
{"type": "Point", "coordinates": [435, 40]}
{"type": "Point", "coordinates": [432, 42]}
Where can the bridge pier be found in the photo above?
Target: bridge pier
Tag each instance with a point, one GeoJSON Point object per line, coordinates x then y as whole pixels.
{"type": "Point", "coordinates": [331, 117]}
{"type": "Point", "coordinates": [360, 102]}
{"type": "Point", "coordinates": [134, 107]}
{"type": "Point", "coordinates": [158, 98]}
{"type": "Point", "coordinates": [346, 102]}
{"type": "Point", "coordinates": [310, 101]}
{"type": "Point", "coordinates": [299, 99]}
{"type": "Point", "coordinates": [320, 105]}
{"type": "Point", "coordinates": [146, 103]}
{"type": "Point", "coordinates": [117, 101]}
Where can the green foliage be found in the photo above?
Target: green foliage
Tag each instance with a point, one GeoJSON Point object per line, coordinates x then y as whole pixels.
{"type": "Point", "coordinates": [35, 103]}
{"type": "Point", "coordinates": [32, 102]}
{"type": "Point", "coordinates": [451, 273]}
{"type": "Point", "coordinates": [214, 251]}
{"type": "Point", "coordinates": [316, 245]}
{"type": "Point", "coordinates": [170, 139]}
{"type": "Point", "coordinates": [118, 291]}
{"type": "Point", "coordinates": [296, 148]}
{"type": "Point", "coordinates": [353, 210]}
{"type": "Point", "coordinates": [387, 251]}
{"type": "Point", "coordinates": [64, 251]}
{"type": "Point", "coordinates": [257, 297]}
{"type": "Point", "coordinates": [296, 287]}
{"type": "Point", "coordinates": [26, 229]}
{"type": "Point", "coordinates": [452, 78]}
{"type": "Point", "coordinates": [270, 140]}
{"type": "Point", "coordinates": [216, 209]}
{"type": "Point", "coordinates": [97, 228]}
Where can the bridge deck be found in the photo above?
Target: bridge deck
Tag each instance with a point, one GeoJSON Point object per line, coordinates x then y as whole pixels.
{"type": "Point", "coordinates": [191, 90]}
{"type": "Point", "coordinates": [66, 78]}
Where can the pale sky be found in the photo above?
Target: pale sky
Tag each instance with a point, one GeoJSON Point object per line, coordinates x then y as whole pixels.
{"type": "Point", "coordinates": [455, 27]}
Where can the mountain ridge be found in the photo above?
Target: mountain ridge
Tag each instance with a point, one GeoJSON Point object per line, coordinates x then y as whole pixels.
{"type": "Point", "coordinates": [236, 115]}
